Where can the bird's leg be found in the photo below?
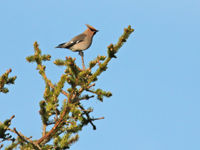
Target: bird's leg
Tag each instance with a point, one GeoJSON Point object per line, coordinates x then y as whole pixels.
{"type": "Point", "coordinates": [82, 54]}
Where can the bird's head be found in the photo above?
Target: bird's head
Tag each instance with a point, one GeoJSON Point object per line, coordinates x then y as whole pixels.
{"type": "Point", "coordinates": [91, 28]}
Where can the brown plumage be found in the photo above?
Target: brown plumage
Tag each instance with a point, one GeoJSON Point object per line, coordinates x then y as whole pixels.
{"type": "Point", "coordinates": [80, 42]}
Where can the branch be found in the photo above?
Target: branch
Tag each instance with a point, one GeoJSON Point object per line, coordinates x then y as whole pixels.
{"type": "Point", "coordinates": [88, 117]}
{"type": "Point", "coordinates": [4, 79]}
{"type": "Point", "coordinates": [112, 50]}
{"type": "Point", "coordinates": [97, 118]}
{"type": "Point", "coordinates": [48, 136]}
{"type": "Point", "coordinates": [12, 117]}
{"type": "Point", "coordinates": [82, 58]}
{"type": "Point", "coordinates": [50, 83]}
{"type": "Point", "coordinates": [85, 97]}
{"type": "Point", "coordinates": [26, 139]}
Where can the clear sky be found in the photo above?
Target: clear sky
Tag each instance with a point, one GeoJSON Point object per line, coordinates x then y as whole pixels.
{"type": "Point", "coordinates": [155, 80]}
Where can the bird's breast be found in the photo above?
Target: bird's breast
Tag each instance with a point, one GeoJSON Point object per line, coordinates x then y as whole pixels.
{"type": "Point", "coordinates": [82, 45]}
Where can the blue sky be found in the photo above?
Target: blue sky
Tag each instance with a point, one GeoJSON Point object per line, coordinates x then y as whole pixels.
{"type": "Point", "coordinates": [155, 80]}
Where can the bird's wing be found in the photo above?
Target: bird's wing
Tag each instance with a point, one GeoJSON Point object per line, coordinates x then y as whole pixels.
{"type": "Point", "coordinates": [77, 39]}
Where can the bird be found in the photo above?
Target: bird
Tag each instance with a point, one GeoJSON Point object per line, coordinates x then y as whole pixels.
{"type": "Point", "coordinates": [80, 42]}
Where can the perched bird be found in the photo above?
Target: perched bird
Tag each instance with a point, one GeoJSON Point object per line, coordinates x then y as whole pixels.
{"type": "Point", "coordinates": [80, 42]}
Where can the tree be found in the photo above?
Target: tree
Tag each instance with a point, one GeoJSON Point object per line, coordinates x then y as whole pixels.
{"type": "Point", "coordinates": [67, 120]}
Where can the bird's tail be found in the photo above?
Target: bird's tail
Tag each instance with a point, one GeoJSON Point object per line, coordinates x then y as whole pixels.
{"type": "Point", "coordinates": [60, 45]}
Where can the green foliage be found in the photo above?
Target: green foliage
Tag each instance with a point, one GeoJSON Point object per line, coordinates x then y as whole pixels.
{"type": "Point", "coordinates": [63, 123]}
{"type": "Point", "coordinates": [4, 127]}
{"type": "Point", "coordinates": [97, 60]}
{"type": "Point", "coordinates": [4, 79]}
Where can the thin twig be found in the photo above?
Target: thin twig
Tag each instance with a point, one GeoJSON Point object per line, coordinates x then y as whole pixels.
{"type": "Point", "coordinates": [9, 71]}
{"type": "Point", "coordinates": [93, 84]}
{"type": "Point", "coordinates": [88, 117]}
{"type": "Point", "coordinates": [26, 139]}
{"type": "Point", "coordinates": [97, 118]}
{"type": "Point", "coordinates": [91, 91]}
{"type": "Point", "coordinates": [86, 97]}
{"type": "Point", "coordinates": [50, 83]}
{"type": "Point", "coordinates": [82, 55]}
{"type": "Point", "coordinates": [13, 116]}
{"type": "Point", "coordinates": [44, 129]}
{"type": "Point", "coordinates": [87, 110]}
